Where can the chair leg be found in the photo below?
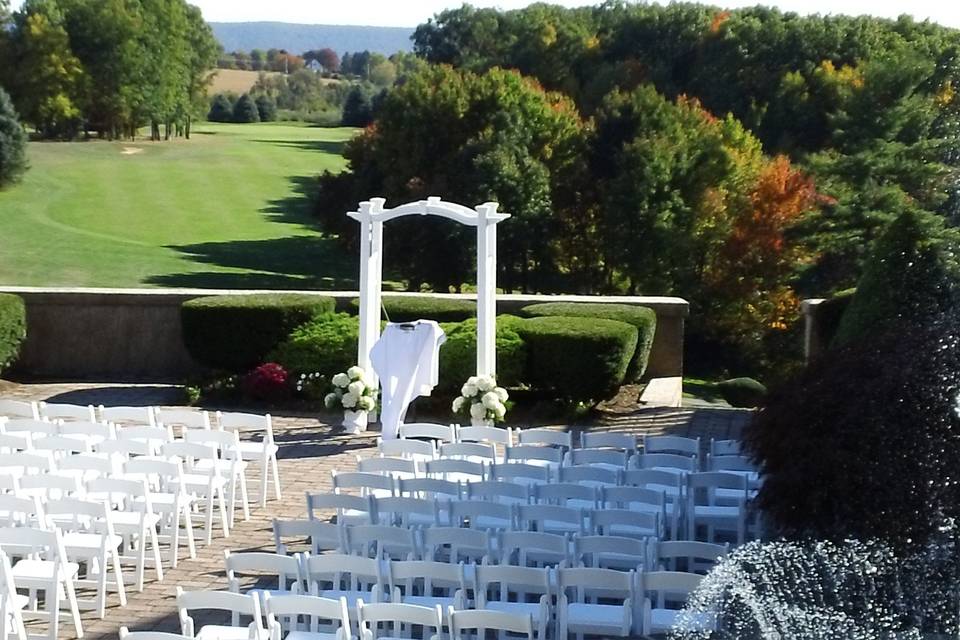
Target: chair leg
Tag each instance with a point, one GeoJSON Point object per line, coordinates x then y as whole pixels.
{"type": "Point", "coordinates": [155, 547]}
{"type": "Point", "coordinates": [74, 607]}
{"type": "Point", "coordinates": [101, 603]}
{"type": "Point", "coordinates": [264, 471]}
{"type": "Point", "coordinates": [141, 560]}
{"type": "Point", "coordinates": [208, 519]}
{"type": "Point", "coordinates": [244, 496]}
{"type": "Point", "coordinates": [221, 503]}
{"type": "Point", "coordinates": [118, 575]}
{"type": "Point", "coordinates": [188, 524]}
{"type": "Point", "coordinates": [276, 476]}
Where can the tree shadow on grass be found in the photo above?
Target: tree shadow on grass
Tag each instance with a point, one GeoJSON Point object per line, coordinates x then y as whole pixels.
{"type": "Point", "coordinates": [332, 147]}
{"type": "Point", "coordinates": [292, 262]}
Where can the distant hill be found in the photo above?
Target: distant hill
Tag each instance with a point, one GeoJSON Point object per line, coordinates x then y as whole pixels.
{"type": "Point", "coordinates": [297, 38]}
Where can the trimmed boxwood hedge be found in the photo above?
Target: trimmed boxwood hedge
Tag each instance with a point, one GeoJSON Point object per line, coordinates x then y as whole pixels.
{"type": "Point", "coordinates": [325, 345]}
{"type": "Point", "coordinates": [643, 318]}
{"type": "Point", "coordinates": [13, 327]}
{"type": "Point", "coordinates": [410, 308]}
{"type": "Point", "coordinates": [581, 359]}
{"type": "Point", "coordinates": [236, 332]}
{"type": "Point", "coordinates": [458, 355]}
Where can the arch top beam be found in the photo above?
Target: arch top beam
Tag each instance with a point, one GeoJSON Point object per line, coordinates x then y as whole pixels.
{"type": "Point", "coordinates": [373, 211]}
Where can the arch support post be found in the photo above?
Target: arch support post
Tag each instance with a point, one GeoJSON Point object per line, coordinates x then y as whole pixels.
{"type": "Point", "coordinates": [371, 278]}
{"type": "Point", "coordinates": [487, 289]}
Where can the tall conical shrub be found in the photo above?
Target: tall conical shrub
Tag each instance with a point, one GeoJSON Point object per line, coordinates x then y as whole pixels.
{"type": "Point", "coordinates": [13, 143]}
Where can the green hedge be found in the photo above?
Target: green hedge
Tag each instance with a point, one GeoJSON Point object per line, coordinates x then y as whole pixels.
{"type": "Point", "coordinates": [643, 318]}
{"type": "Point", "coordinates": [410, 308]}
{"type": "Point", "coordinates": [458, 355]}
{"type": "Point", "coordinates": [325, 345]}
{"type": "Point", "coordinates": [236, 332]}
{"type": "Point", "coordinates": [742, 392]}
{"type": "Point", "coordinates": [13, 327]}
{"type": "Point", "coordinates": [581, 359]}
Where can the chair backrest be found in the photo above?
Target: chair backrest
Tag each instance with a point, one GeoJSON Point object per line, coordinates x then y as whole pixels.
{"type": "Point", "coordinates": [19, 409]}
{"type": "Point", "coordinates": [186, 419]}
{"type": "Point", "coordinates": [398, 447]}
{"type": "Point", "coordinates": [89, 465]}
{"type": "Point", "coordinates": [626, 442]}
{"type": "Point", "coordinates": [20, 511]}
{"type": "Point", "coordinates": [520, 472]}
{"type": "Point", "coordinates": [627, 497]}
{"type": "Point", "coordinates": [668, 586]}
{"type": "Point", "coordinates": [44, 543]}
{"type": "Point", "coordinates": [588, 475]}
{"type": "Point", "coordinates": [337, 569]}
{"type": "Point", "coordinates": [285, 568]}
{"type": "Point", "coordinates": [484, 621]}
{"type": "Point", "coordinates": [725, 447]}
{"type": "Point", "coordinates": [441, 432]}
{"type": "Point", "coordinates": [57, 411]}
{"type": "Point", "coordinates": [235, 603]}
{"type": "Point", "coordinates": [77, 514]}
{"type": "Point", "coordinates": [626, 522]}
{"type": "Point", "coordinates": [397, 510]}
{"type": "Point", "coordinates": [520, 548]}
{"type": "Point", "coordinates": [509, 581]}
{"type": "Point", "coordinates": [366, 483]}
{"type": "Point", "coordinates": [327, 615]}
{"type": "Point", "coordinates": [50, 485]}
{"type": "Point", "coordinates": [455, 544]}
{"type": "Point", "coordinates": [586, 583]}
{"type": "Point", "coordinates": [189, 453]}
{"type": "Point", "coordinates": [247, 422]}
{"type": "Point", "coordinates": [124, 448]}
{"type": "Point", "coordinates": [127, 415]}
{"type": "Point", "coordinates": [381, 541]}
{"type": "Point", "coordinates": [145, 433]}
{"type": "Point", "coordinates": [226, 442]}
{"type": "Point", "coordinates": [696, 556]}
{"type": "Point", "coordinates": [396, 467]}
{"type": "Point", "coordinates": [339, 502]}
{"type": "Point", "coordinates": [95, 431]}
{"type": "Point", "coordinates": [613, 458]}
{"type": "Point", "coordinates": [563, 492]}
{"type": "Point", "coordinates": [537, 517]}
{"type": "Point", "coordinates": [126, 634]}
{"type": "Point", "coordinates": [499, 491]}
{"type": "Point", "coordinates": [685, 464]}
{"type": "Point", "coordinates": [445, 467]}
{"type": "Point", "coordinates": [61, 446]}
{"type": "Point", "coordinates": [610, 552]}
{"type": "Point", "coordinates": [469, 451]}
{"type": "Point", "coordinates": [158, 472]}
{"type": "Point", "coordinates": [480, 514]}
{"type": "Point", "coordinates": [710, 481]}
{"type": "Point", "coordinates": [428, 488]}
{"type": "Point", "coordinates": [322, 536]}
{"type": "Point", "coordinates": [28, 461]}
{"type": "Point", "coordinates": [546, 437]}
{"type": "Point", "coordinates": [13, 442]}
{"type": "Point", "coordinates": [397, 616]}
{"type": "Point", "coordinates": [672, 444]}
{"type": "Point", "coordinates": [121, 491]}
{"type": "Point", "coordinates": [730, 463]}
{"type": "Point", "coordinates": [424, 576]}
{"type": "Point", "coordinates": [530, 452]}
{"type": "Point", "coordinates": [495, 435]}
{"type": "Point", "coordinates": [653, 479]}
{"type": "Point", "coordinates": [36, 426]}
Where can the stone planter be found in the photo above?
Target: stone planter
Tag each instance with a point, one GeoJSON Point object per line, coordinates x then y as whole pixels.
{"type": "Point", "coordinates": [355, 421]}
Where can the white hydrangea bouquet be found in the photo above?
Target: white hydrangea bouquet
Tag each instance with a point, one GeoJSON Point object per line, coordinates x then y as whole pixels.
{"type": "Point", "coordinates": [482, 400]}
{"type": "Point", "coordinates": [354, 395]}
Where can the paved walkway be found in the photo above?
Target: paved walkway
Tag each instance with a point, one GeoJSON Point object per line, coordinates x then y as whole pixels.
{"type": "Point", "coordinates": [309, 449]}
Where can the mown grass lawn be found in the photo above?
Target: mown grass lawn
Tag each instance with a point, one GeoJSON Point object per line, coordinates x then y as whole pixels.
{"type": "Point", "coordinates": [228, 208]}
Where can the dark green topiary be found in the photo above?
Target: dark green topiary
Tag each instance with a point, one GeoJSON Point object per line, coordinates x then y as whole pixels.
{"type": "Point", "coordinates": [907, 275]}
{"type": "Point", "coordinates": [13, 328]}
{"type": "Point", "coordinates": [325, 345]}
{"type": "Point", "coordinates": [13, 143]}
{"type": "Point", "coordinates": [236, 332]}
{"type": "Point", "coordinates": [458, 355]}
{"type": "Point", "coordinates": [643, 318]}
{"type": "Point", "coordinates": [742, 392]}
{"type": "Point", "coordinates": [221, 109]}
{"type": "Point", "coordinates": [422, 307]}
{"type": "Point", "coordinates": [266, 108]}
{"type": "Point", "coordinates": [580, 359]}
{"type": "Point", "coordinates": [245, 111]}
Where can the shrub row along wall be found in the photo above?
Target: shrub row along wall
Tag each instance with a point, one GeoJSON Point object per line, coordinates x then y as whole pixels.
{"type": "Point", "coordinates": [13, 328]}
{"type": "Point", "coordinates": [136, 334]}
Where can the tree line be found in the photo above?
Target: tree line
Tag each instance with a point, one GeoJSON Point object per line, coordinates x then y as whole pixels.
{"type": "Point", "coordinates": [741, 159]}
{"type": "Point", "coordinates": [107, 66]}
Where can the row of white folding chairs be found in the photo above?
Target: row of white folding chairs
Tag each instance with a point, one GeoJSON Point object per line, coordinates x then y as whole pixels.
{"type": "Point", "coordinates": [542, 593]}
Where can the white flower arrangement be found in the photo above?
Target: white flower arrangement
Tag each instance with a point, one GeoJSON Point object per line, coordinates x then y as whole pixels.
{"type": "Point", "coordinates": [481, 399]}
{"type": "Point", "coordinates": [351, 392]}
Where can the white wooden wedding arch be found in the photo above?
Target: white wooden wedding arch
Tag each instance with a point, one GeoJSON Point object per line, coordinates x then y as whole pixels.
{"type": "Point", "coordinates": [371, 216]}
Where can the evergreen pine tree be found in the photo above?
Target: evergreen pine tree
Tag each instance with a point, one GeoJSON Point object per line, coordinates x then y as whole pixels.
{"type": "Point", "coordinates": [13, 143]}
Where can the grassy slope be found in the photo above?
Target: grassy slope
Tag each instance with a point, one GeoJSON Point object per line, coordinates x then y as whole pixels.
{"type": "Point", "coordinates": [227, 208]}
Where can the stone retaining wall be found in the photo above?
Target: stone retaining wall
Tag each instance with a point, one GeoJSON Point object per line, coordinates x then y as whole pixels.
{"type": "Point", "coordinates": [134, 334]}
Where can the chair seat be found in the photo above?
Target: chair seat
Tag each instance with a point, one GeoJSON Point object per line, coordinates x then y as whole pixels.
{"type": "Point", "coordinates": [351, 596]}
{"type": "Point", "coordinates": [665, 619]}
{"type": "Point", "coordinates": [605, 618]}
{"type": "Point", "coordinates": [222, 632]}
{"type": "Point", "coordinates": [310, 635]}
{"type": "Point", "coordinates": [39, 573]}
{"type": "Point", "coordinates": [630, 531]}
{"type": "Point", "coordinates": [430, 601]}
{"type": "Point", "coordinates": [200, 481]}
{"type": "Point", "coordinates": [164, 502]}
{"type": "Point", "coordinates": [130, 521]}
{"type": "Point", "coordinates": [255, 450]}
{"type": "Point", "coordinates": [489, 522]}
{"type": "Point", "coordinates": [77, 543]}
{"type": "Point", "coordinates": [516, 608]}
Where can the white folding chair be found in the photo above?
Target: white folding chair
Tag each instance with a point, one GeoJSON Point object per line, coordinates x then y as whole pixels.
{"type": "Point", "coordinates": [567, 494]}
{"type": "Point", "coordinates": [429, 488]}
{"type": "Point", "coordinates": [704, 508]}
{"type": "Point", "coordinates": [92, 432]}
{"type": "Point", "coordinates": [154, 436]}
{"type": "Point", "coordinates": [671, 483]}
{"type": "Point", "coordinates": [394, 467]}
{"type": "Point", "coordinates": [584, 606]}
{"type": "Point", "coordinates": [321, 536]}
{"type": "Point", "coordinates": [489, 435]}
{"type": "Point", "coordinates": [206, 481]}
{"type": "Point", "coordinates": [427, 583]}
{"type": "Point", "coordinates": [533, 548]}
{"type": "Point", "coordinates": [480, 514]}
{"type": "Point", "coordinates": [612, 459]}
{"type": "Point", "coordinates": [626, 523]}
{"type": "Point", "coordinates": [50, 486]}
{"type": "Point", "coordinates": [67, 412]}
{"type": "Point", "coordinates": [590, 476]}
{"type": "Point", "coordinates": [263, 451]}
{"type": "Point", "coordinates": [672, 444]}
{"type": "Point", "coordinates": [641, 500]}
{"type": "Point", "coordinates": [740, 465]}
{"type": "Point", "coordinates": [535, 455]}
{"type": "Point", "coordinates": [610, 552]}
{"type": "Point", "coordinates": [236, 604]}
{"type": "Point", "coordinates": [515, 590]}
{"type": "Point", "coordinates": [725, 447]}
{"type": "Point", "coordinates": [280, 572]}
{"type": "Point", "coordinates": [666, 462]}
{"type": "Point", "coordinates": [229, 464]}
{"type": "Point", "coordinates": [11, 409]}
{"type": "Point", "coordinates": [89, 540]}
{"type": "Point", "coordinates": [454, 470]}
{"type": "Point", "coordinates": [309, 617]}
{"type": "Point", "coordinates": [419, 450]}
{"type": "Point", "coordinates": [483, 622]}
{"type": "Point", "coordinates": [499, 491]}
{"type": "Point", "coordinates": [334, 575]}
{"type": "Point", "coordinates": [432, 431]}
{"type": "Point", "coordinates": [562, 440]}
{"type": "Point", "coordinates": [35, 426]}
{"type": "Point", "coordinates": [43, 567]}
{"type": "Point", "coordinates": [21, 511]}
{"type": "Point", "coordinates": [124, 448]}
{"type": "Point", "coordinates": [16, 442]}
{"type": "Point", "coordinates": [134, 520]}
{"type": "Point", "coordinates": [347, 509]}
{"type": "Point", "coordinates": [408, 512]}
{"type": "Point", "coordinates": [180, 421]}
{"type": "Point", "coordinates": [685, 555]}
{"type": "Point", "coordinates": [381, 542]}
{"type": "Point", "coordinates": [127, 415]}
{"type": "Point", "coordinates": [392, 620]}
{"type": "Point", "coordinates": [11, 603]}
{"type": "Point", "coordinates": [626, 442]}
{"type": "Point", "coordinates": [169, 499]}
{"type": "Point", "coordinates": [520, 472]}
{"type": "Point", "coordinates": [550, 518]}
{"type": "Point", "coordinates": [89, 465]}
{"type": "Point", "coordinates": [661, 588]}
{"type": "Point", "coordinates": [126, 634]}
{"type": "Point", "coordinates": [456, 544]}
{"type": "Point", "coordinates": [60, 447]}
{"type": "Point", "coordinates": [366, 484]}
{"type": "Point", "coordinates": [471, 451]}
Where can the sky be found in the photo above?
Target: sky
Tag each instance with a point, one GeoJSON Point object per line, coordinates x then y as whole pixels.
{"type": "Point", "coordinates": [409, 13]}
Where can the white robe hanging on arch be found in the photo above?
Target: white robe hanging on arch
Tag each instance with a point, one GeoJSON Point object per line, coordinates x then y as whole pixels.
{"type": "Point", "coordinates": [407, 360]}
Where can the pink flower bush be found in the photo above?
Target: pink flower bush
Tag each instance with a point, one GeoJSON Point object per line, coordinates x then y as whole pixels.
{"type": "Point", "coordinates": [268, 382]}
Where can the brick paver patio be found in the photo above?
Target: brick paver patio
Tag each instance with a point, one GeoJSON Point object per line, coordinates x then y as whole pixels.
{"type": "Point", "coordinates": [309, 449]}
